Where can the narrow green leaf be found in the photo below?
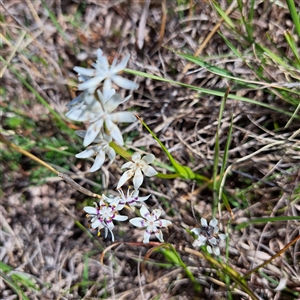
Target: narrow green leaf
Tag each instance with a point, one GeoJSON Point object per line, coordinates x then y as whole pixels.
{"type": "Point", "coordinates": [212, 92]}
{"type": "Point", "coordinates": [173, 256]}
{"type": "Point", "coordinates": [294, 15]}
{"type": "Point", "coordinates": [223, 14]}
{"type": "Point", "coordinates": [183, 171]}
{"type": "Point", "coordinates": [223, 167]}
{"type": "Point", "coordinates": [290, 39]}
{"type": "Point", "coordinates": [266, 220]}
{"type": "Point", "coordinates": [14, 286]}
{"type": "Point", "coordinates": [218, 71]}
{"type": "Point", "coordinates": [293, 116]}
{"type": "Point", "coordinates": [56, 24]}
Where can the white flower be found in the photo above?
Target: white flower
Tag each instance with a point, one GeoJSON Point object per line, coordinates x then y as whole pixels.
{"type": "Point", "coordinates": [86, 97]}
{"type": "Point", "coordinates": [209, 235]}
{"type": "Point", "coordinates": [98, 114]}
{"type": "Point", "coordinates": [132, 198]}
{"type": "Point", "coordinates": [152, 222]}
{"type": "Point", "coordinates": [99, 150]}
{"type": "Point", "coordinates": [137, 166]}
{"type": "Point", "coordinates": [103, 215]}
{"type": "Point", "coordinates": [102, 71]}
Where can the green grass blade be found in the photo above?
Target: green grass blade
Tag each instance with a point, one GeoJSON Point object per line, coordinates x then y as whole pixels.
{"type": "Point", "coordinates": [56, 24]}
{"type": "Point", "coordinates": [248, 26]}
{"type": "Point", "coordinates": [293, 116]}
{"type": "Point", "coordinates": [223, 167]}
{"type": "Point", "coordinates": [267, 219]}
{"type": "Point", "coordinates": [294, 15]}
{"type": "Point", "coordinates": [184, 171]}
{"type": "Point", "coordinates": [218, 71]}
{"type": "Point", "coordinates": [14, 286]}
{"type": "Point", "coordinates": [223, 14]}
{"type": "Point", "coordinates": [289, 38]}
{"type": "Point", "coordinates": [216, 157]}
{"type": "Point", "coordinates": [212, 92]}
{"type": "Point", "coordinates": [173, 256]}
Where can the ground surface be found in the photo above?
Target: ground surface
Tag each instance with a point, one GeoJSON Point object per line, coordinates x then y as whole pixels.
{"type": "Point", "coordinates": [41, 240]}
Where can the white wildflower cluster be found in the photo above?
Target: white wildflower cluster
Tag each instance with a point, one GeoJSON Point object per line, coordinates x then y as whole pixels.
{"type": "Point", "coordinates": [208, 234]}
{"type": "Point", "coordinates": [95, 106]}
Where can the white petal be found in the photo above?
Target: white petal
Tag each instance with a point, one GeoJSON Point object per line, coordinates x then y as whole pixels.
{"type": "Point", "coordinates": [216, 250]}
{"type": "Point", "coordinates": [96, 224]}
{"type": "Point", "coordinates": [126, 176]}
{"type": "Point", "coordinates": [78, 114]}
{"type": "Point", "coordinates": [86, 153]}
{"type": "Point", "coordinates": [123, 117]}
{"type": "Point", "coordinates": [102, 61]}
{"type": "Point", "coordinates": [204, 222]}
{"type": "Point", "coordinates": [107, 96]}
{"type": "Point", "coordinates": [92, 132]}
{"type": "Point", "coordinates": [197, 244]}
{"type": "Point", "coordinates": [213, 222]}
{"type": "Point", "coordinates": [149, 171]}
{"type": "Point", "coordinates": [99, 54]}
{"type": "Point", "coordinates": [114, 131]}
{"type": "Point", "coordinates": [107, 87]}
{"type": "Point", "coordinates": [136, 157]}
{"type": "Point", "coordinates": [146, 237]}
{"type": "Point", "coordinates": [112, 235]}
{"type": "Point", "coordinates": [196, 231]}
{"type": "Point", "coordinates": [156, 213]}
{"type": "Point", "coordinates": [138, 179]}
{"type": "Point", "coordinates": [113, 102]}
{"type": "Point", "coordinates": [122, 65]}
{"type": "Point", "coordinates": [85, 71]}
{"type": "Point", "coordinates": [145, 212]}
{"type": "Point", "coordinates": [201, 240]}
{"type": "Point", "coordinates": [213, 241]}
{"type": "Point", "coordinates": [209, 249]}
{"type": "Point", "coordinates": [91, 83]}
{"type": "Point", "coordinates": [124, 83]}
{"type": "Point", "coordinates": [110, 225]}
{"type": "Point", "coordinates": [128, 165]}
{"type": "Point", "coordinates": [143, 198]}
{"type": "Point", "coordinates": [76, 101]}
{"type": "Point", "coordinates": [127, 98]}
{"type": "Point", "coordinates": [82, 78]}
{"type": "Point", "coordinates": [98, 162]}
{"type": "Point", "coordinates": [282, 283]}
{"type": "Point", "coordinates": [163, 223]}
{"type": "Point", "coordinates": [120, 218]}
{"type": "Point", "coordinates": [222, 236]}
{"type": "Point", "coordinates": [111, 154]}
{"type": "Point", "coordinates": [89, 97]}
{"type": "Point", "coordinates": [81, 133]}
{"type": "Point", "coordinates": [216, 229]}
{"type": "Point", "coordinates": [107, 138]}
{"type": "Point", "coordinates": [159, 235]}
{"type": "Point", "coordinates": [138, 222]}
{"type": "Point", "coordinates": [90, 210]}
{"type": "Point", "coordinates": [149, 158]}
{"type": "Point", "coordinates": [106, 231]}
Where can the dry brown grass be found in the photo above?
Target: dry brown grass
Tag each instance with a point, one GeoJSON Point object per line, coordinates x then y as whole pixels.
{"type": "Point", "coordinates": [40, 236]}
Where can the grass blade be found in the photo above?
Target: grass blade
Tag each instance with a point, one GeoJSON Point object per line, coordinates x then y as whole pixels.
{"type": "Point", "coordinates": [212, 92]}
{"type": "Point", "coordinates": [294, 15]}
